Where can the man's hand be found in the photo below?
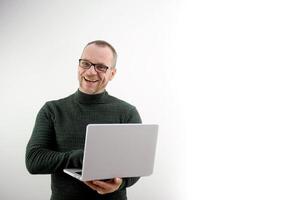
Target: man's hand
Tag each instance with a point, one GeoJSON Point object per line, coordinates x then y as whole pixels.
{"type": "Point", "coordinates": [105, 187]}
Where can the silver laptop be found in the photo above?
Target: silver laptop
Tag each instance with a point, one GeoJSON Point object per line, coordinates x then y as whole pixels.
{"type": "Point", "coordinates": [117, 150]}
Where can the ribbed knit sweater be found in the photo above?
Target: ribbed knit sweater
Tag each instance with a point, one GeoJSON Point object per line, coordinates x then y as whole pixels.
{"type": "Point", "coordinates": [59, 133]}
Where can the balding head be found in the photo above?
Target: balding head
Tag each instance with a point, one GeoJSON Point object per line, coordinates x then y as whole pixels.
{"type": "Point", "coordinates": [103, 43]}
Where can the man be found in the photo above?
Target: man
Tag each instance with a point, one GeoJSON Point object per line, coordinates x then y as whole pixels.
{"type": "Point", "coordinates": [57, 139]}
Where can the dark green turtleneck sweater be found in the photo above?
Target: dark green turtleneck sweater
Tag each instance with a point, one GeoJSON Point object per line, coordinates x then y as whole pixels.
{"type": "Point", "coordinates": [58, 139]}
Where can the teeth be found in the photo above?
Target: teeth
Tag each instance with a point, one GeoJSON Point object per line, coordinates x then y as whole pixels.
{"type": "Point", "coordinates": [90, 80]}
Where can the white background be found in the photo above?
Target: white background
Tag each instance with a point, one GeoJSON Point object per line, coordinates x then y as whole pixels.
{"type": "Point", "coordinates": [222, 78]}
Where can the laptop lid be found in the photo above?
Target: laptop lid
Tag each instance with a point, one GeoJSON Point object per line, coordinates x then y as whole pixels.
{"type": "Point", "coordinates": [119, 150]}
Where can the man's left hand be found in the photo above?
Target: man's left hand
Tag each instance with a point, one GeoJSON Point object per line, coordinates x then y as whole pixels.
{"type": "Point", "coordinates": [105, 187]}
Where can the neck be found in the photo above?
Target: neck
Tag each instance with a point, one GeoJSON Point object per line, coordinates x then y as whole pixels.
{"type": "Point", "coordinates": [85, 98]}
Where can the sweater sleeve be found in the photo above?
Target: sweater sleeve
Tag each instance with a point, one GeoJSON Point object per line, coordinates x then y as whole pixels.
{"type": "Point", "coordinates": [132, 117]}
{"type": "Point", "coordinates": [41, 158]}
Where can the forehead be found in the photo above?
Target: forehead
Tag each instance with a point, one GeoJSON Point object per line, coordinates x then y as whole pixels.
{"type": "Point", "coordinates": [98, 54]}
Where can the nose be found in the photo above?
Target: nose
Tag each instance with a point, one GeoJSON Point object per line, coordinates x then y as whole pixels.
{"type": "Point", "coordinates": [91, 70]}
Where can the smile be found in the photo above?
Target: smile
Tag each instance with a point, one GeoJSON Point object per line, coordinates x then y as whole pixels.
{"type": "Point", "coordinates": [90, 80]}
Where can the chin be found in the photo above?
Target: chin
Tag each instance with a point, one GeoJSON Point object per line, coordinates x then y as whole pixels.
{"type": "Point", "coordinates": [87, 91]}
{"type": "Point", "coordinates": [90, 91]}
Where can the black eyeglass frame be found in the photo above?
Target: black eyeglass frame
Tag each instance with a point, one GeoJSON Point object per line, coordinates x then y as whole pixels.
{"type": "Point", "coordinates": [97, 67]}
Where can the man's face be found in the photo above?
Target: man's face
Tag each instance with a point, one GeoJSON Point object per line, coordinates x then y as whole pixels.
{"type": "Point", "coordinates": [91, 81]}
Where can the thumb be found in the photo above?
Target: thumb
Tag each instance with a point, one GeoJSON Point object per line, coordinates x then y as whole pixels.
{"type": "Point", "coordinates": [117, 180]}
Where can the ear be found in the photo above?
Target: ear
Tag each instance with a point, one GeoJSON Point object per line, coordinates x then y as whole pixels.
{"type": "Point", "coordinates": [112, 73]}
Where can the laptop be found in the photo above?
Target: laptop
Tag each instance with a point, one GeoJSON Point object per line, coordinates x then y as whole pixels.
{"type": "Point", "coordinates": [117, 150]}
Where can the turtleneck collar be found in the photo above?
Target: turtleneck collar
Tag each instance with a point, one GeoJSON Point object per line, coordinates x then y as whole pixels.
{"type": "Point", "coordinates": [84, 98]}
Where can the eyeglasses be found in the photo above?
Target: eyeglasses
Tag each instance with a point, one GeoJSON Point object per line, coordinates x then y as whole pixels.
{"type": "Point", "coordinates": [98, 67]}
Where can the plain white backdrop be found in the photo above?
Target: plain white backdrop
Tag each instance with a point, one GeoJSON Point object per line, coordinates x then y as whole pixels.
{"type": "Point", "coordinates": [41, 42]}
{"type": "Point", "coordinates": [222, 78]}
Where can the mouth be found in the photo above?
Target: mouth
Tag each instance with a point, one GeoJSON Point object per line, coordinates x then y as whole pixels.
{"type": "Point", "coordinates": [90, 80]}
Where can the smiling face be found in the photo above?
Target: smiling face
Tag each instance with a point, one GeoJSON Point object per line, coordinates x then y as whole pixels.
{"type": "Point", "coordinates": [91, 81]}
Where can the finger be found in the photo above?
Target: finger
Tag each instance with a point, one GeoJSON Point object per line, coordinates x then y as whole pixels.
{"type": "Point", "coordinates": [91, 185]}
{"type": "Point", "coordinates": [88, 183]}
{"type": "Point", "coordinates": [117, 180]}
{"type": "Point", "coordinates": [100, 191]}
{"type": "Point", "coordinates": [102, 184]}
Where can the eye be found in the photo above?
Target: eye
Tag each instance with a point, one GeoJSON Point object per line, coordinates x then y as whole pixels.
{"type": "Point", "coordinates": [101, 67]}
{"type": "Point", "coordinates": [85, 63]}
